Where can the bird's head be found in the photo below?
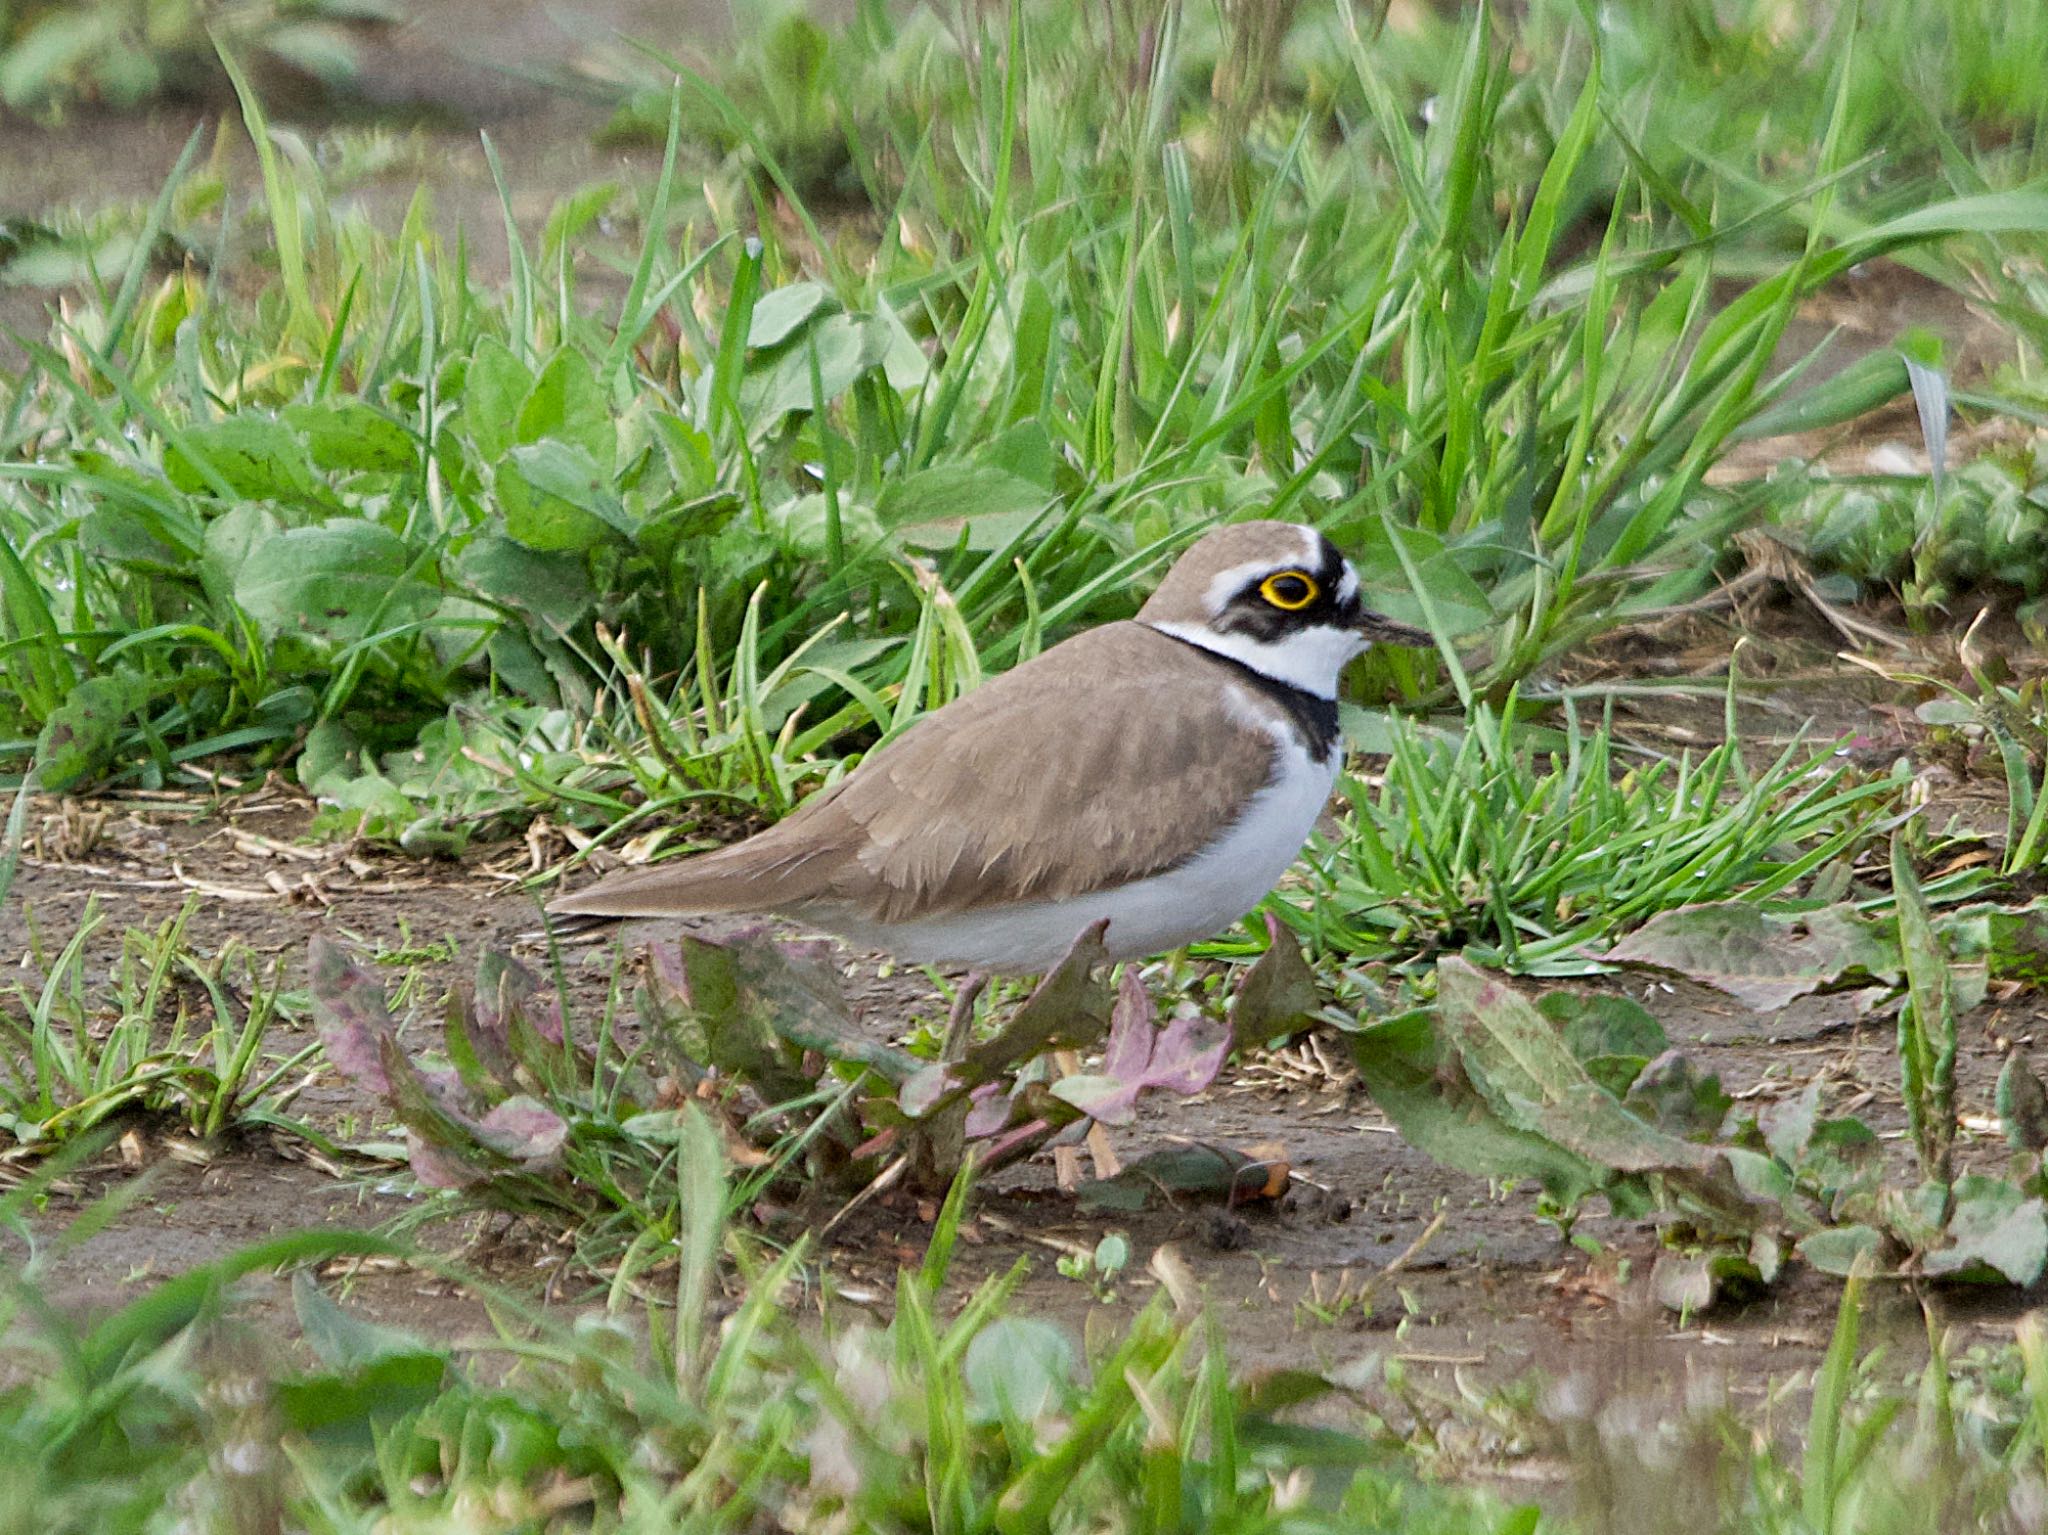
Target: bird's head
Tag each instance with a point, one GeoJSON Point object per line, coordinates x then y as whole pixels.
{"type": "Point", "coordinates": [1277, 596]}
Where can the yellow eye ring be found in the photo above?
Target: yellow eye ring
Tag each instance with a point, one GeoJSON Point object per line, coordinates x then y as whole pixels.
{"type": "Point", "coordinates": [1290, 591]}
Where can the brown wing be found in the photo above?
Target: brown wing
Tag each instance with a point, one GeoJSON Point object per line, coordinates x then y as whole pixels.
{"type": "Point", "coordinates": [1039, 785]}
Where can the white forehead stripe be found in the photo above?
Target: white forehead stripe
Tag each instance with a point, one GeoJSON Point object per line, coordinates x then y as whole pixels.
{"type": "Point", "coordinates": [1348, 587]}
{"type": "Point", "coordinates": [1226, 584]}
{"type": "Point", "coordinates": [1312, 548]}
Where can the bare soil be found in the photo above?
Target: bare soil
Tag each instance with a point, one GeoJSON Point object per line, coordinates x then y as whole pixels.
{"type": "Point", "coordinates": [1493, 1293]}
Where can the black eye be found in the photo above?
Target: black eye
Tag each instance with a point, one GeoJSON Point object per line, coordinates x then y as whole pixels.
{"type": "Point", "coordinates": [1290, 591]}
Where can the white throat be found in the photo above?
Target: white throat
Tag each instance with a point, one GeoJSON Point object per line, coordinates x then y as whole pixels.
{"type": "Point", "coordinates": [1309, 659]}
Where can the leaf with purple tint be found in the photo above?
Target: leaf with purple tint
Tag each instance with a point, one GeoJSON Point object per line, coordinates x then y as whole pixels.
{"type": "Point", "coordinates": [522, 1019]}
{"type": "Point", "coordinates": [2022, 1105]}
{"type": "Point", "coordinates": [1069, 1009]}
{"type": "Point", "coordinates": [436, 1168]}
{"type": "Point", "coordinates": [1518, 1061]}
{"type": "Point", "coordinates": [739, 1038]}
{"type": "Point", "coordinates": [479, 1049]}
{"type": "Point", "coordinates": [1677, 1096]}
{"type": "Point", "coordinates": [524, 1129]}
{"type": "Point", "coordinates": [925, 1087]}
{"type": "Point", "coordinates": [350, 1013]}
{"type": "Point", "coordinates": [1184, 1058]}
{"type": "Point", "coordinates": [990, 1111]}
{"type": "Point", "coordinates": [504, 986]}
{"type": "Point", "coordinates": [799, 990]}
{"type": "Point", "coordinates": [1277, 995]}
{"type": "Point", "coordinates": [423, 1100]}
{"type": "Point", "coordinates": [1014, 1144]}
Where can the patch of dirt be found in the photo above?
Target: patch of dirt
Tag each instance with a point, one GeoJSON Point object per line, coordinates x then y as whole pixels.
{"type": "Point", "coordinates": [1491, 1293]}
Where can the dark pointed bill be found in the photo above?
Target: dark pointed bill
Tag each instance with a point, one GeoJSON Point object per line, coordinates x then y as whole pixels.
{"type": "Point", "coordinates": [1382, 630]}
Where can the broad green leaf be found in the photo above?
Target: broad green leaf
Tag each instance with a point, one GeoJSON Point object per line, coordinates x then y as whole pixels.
{"type": "Point", "coordinates": [1460, 601]}
{"type": "Point", "coordinates": [552, 591]}
{"type": "Point", "coordinates": [1420, 1087]}
{"type": "Point", "coordinates": [338, 1338]}
{"type": "Point", "coordinates": [557, 498]}
{"type": "Point", "coordinates": [568, 406]}
{"type": "Point", "coordinates": [1024, 450]}
{"type": "Point", "coordinates": [320, 50]}
{"type": "Point", "coordinates": [1019, 1369]}
{"type": "Point", "coordinates": [770, 392]}
{"type": "Point", "coordinates": [79, 739]}
{"type": "Point", "coordinates": [891, 347]}
{"type": "Point", "coordinates": [494, 388]}
{"type": "Point", "coordinates": [1277, 995]}
{"type": "Point", "coordinates": [1761, 959]}
{"type": "Point", "coordinates": [690, 455]}
{"type": "Point", "coordinates": [338, 582]}
{"type": "Point", "coordinates": [778, 312]}
{"type": "Point", "coordinates": [802, 527]}
{"type": "Point", "coordinates": [932, 508]}
{"type": "Point", "coordinates": [257, 455]}
{"type": "Point", "coordinates": [1597, 1023]}
{"type": "Point", "coordinates": [1837, 1249]}
{"type": "Point", "coordinates": [349, 1407]}
{"type": "Point", "coordinates": [1993, 1227]}
{"type": "Point", "coordinates": [348, 435]}
{"type": "Point", "coordinates": [121, 535]}
{"type": "Point", "coordinates": [331, 757]}
{"type": "Point", "coordinates": [230, 538]}
{"type": "Point", "coordinates": [1519, 1063]}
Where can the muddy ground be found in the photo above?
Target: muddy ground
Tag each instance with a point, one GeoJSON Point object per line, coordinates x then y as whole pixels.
{"type": "Point", "coordinates": [1491, 1294]}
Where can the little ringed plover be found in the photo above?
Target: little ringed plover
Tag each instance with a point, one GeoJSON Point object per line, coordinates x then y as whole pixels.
{"type": "Point", "coordinates": [1160, 773]}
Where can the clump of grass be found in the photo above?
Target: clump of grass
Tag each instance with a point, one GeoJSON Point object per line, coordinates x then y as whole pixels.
{"type": "Point", "coordinates": [647, 1416]}
{"type": "Point", "coordinates": [720, 1404]}
{"type": "Point", "coordinates": [182, 1034]}
{"type": "Point", "coordinates": [1519, 845]}
{"type": "Point", "coordinates": [380, 518]}
{"type": "Point", "coordinates": [100, 53]}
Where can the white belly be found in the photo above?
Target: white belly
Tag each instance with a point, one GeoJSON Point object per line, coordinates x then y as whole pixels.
{"type": "Point", "coordinates": [1196, 900]}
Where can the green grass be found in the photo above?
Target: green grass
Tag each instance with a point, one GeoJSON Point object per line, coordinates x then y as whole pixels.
{"type": "Point", "coordinates": [651, 1416]}
{"type": "Point", "coordinates": [178, 1033]}
{"type": "Point", "coordinates": [1531, 849]}
{"type": "Point", "coordinates": [645, 1417]}
{"type": "Point", "coordinates": [101, 53]}
{"type": "Point", "coordinates": [935, 338]}
{"type": "Point", "coordinates": [463, 550]}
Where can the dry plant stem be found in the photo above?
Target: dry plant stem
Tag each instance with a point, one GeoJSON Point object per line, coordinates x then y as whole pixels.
{"type": "Point", "coordinates": [883, 1181]}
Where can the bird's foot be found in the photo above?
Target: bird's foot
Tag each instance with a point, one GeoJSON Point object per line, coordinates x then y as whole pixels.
{"type": "Point", "coordinates": [960, 1022]}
